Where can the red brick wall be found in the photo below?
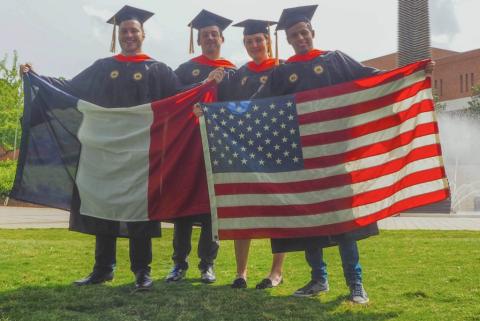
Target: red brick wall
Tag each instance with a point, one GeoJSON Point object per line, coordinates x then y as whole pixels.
{"type": "Point", "coordinates": [451, 67]}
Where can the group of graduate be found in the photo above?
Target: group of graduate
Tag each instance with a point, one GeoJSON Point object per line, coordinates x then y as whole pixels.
{"type": "Point", "coordinates": [132, 78]}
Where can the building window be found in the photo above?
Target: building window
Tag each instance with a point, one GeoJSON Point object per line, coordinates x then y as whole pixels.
{"type": "Point", "coordinates": [472, 80]}
{"type": "Point", "coordinates": [441, 87]}
{"type": "Point", "coordinates": [466, 83]}
{"type": "Point", "coordinates": [461, 83]}
{"type": "Point", "coordinates": [435, 84]}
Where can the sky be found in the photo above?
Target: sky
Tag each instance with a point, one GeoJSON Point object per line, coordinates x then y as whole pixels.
{"type": "Point", "coordinates": [61, 38]}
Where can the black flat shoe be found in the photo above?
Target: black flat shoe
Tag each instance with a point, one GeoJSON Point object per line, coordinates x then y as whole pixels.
{"type": "Point", "coordinates": [94, 278]}
{"type": "Point", "coordinates": [239, 283]}
{"type": "Point", "coordinates": [267, 284]}
{"type": "Point", "coordinates": [264, 284]}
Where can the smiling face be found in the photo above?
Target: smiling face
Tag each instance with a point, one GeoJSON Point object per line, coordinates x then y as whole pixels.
{"type": "Point", "coordinates": [300, 37]}
{"type": "Point", "coordinates": [131, 36]}
{"type": "Point", "coordinates": [256, 46]}
{"type": "Point", "coordinates": [210, 39]}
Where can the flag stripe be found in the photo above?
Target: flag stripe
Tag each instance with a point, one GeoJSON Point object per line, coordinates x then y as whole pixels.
{"type": "Point", "coordinates": [113, 140]}
{"type": "Point", "coordinates": [372, 150]}
{"type": "Point", "coordinates": [288, 197]}
{"type": "Point", "coordinates": [341, 123]}
{"type": "Point", "coordinates": [333, 217]}
{"type": "Point", "coordinates": [361, 84]}
{"type": "Point", "coordinates": [331, 205]}
{"type": "Point", "coordinates": [418, 89]}
{"type": "Point", "coordinates": [313, 147]}
{"type": "Point", "coordinates": [332, 229]}
{"type": "Point", "coordinates": [371, 127]}
{"type": "Point", "coordinates": [344, 177]}
{"type": "Point", "coordinates": [316, 103]}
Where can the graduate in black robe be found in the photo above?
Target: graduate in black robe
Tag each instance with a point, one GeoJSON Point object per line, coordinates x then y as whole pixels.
{"type": "Point", "coordinates": [310, 68]}
{"type": "Point", "coordinates": [128, 79]}
{"type": "Point", "coordinates": [210, 38]}
{"type": "Point", "coordinates": [246, 84]}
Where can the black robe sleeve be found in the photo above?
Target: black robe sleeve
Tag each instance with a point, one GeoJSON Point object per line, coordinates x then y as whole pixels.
{"type": "Point", "coordinates": [164, 82]}
{"type": "Point", "coordinates": [79, 85]}
{"type": "Point", "coordinates": [349, 69]}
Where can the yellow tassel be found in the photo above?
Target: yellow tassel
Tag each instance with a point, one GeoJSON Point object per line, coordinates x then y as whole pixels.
{"type": "Point", "coordinates": [192, 48]}
{"type": "Point", "coordinates": [114, 36]}
{"type": "Point", "coordinates": [269, 43]}
{"type": "Point", "coordinates": [276, 48]}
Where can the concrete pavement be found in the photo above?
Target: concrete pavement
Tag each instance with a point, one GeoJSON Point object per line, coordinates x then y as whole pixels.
{"type": "Point", "coordinates": [31, 217]}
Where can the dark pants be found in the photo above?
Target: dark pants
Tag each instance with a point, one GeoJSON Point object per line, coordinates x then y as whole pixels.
{"type": "Point", "coordinates": [182, 241]}
{"type": "Point", "coordinates": [105, 253]}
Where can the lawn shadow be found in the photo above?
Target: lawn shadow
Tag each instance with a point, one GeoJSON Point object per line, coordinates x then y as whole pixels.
{"type": "Point", "coordinates": [185, 300]}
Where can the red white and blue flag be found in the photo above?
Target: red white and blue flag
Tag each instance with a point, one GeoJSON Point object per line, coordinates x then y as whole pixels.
{"type": "Point", "coordinates": [325, 161]}
{"type": "Point", "coordinates": [128, 164]}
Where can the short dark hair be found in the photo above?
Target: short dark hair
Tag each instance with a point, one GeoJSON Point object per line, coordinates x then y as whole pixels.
{"type": "Point", "coordinates": [308, 23]}
{"type": "Point", "coordinates": [199, 30]}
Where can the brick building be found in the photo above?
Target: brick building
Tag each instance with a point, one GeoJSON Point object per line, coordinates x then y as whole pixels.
{"type": "Point", "coordinates": [453, 78]}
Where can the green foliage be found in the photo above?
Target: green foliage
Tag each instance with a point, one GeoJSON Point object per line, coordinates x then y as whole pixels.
{"type": "Point", "coordinates": [439, 106]}
{"type": "Point", "coordinates": [409, 275]}
{"type": "Point", "coordinates": [7, 175]}
{"type": "Point", "coordinates": [474, 104]}
{"type": "Point", "coordinates": [11, 101]}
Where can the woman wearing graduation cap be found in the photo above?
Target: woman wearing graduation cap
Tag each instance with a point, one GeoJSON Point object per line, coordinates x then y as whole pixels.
{"type": "Point", "coordinates": [247, 83]}
{"type": "Point", "coordinates": [128, 79]}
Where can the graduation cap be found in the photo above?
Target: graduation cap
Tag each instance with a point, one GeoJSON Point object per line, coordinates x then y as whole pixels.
{"type": "Point", "coordinates": [206, 19]}
{"type": "Point", "coordinates": [252, 26]}
{"type": "Point", "coordinates": [127, 13]}
{"type": "Point", "coordinates": [295, 15]}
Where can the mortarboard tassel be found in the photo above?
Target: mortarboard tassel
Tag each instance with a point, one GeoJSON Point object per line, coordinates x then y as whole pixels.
{"type": "Point", "coordinates": [276, 48]}
{"type": "Point", "coordinates": [114, 36]}
{"type": "Point", "coordinates": [192, 48]}
{"type": "Point", "coordinates": [269, 43]}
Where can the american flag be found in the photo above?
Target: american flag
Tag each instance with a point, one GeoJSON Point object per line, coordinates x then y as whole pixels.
{"type": "Point", "coordinates": [324, 161]}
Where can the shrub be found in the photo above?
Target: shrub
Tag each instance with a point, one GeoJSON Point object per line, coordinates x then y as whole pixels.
{"type": "Point", "coordinates": [7, 176]}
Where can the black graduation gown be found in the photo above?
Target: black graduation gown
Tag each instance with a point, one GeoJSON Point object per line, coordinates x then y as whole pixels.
{"type": "Point", "coordinates": [245, 84]}
{"type": "Point", "coordinates": [327, 69]}
{"type": "Point", "coordinates": [192, 72]}
{"type": "Point", "coordinates": [111, 83]}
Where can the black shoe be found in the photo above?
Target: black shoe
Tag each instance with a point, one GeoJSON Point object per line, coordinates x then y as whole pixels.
{"type": "Point", "coordinates": [312, 288]}
{"type": "Point", "coordinates": [267, 283]}
{"type": "Point", "coordinates": [239, 283]}
{"type": "Point", "coordinates": [176, 274]}
{"type": "Point", "coordinates": [95, 277]}
{"type": "Point", "coordinates": [143, 281]}
{"type": "Point", "coordinates": [208, 275]}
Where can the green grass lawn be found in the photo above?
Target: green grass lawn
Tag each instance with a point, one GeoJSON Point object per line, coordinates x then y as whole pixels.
{"type": "Point", "coordinates": [409, 275]}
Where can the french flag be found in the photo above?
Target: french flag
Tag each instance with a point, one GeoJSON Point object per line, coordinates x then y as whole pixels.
{"type": "Point", "coordinates": [128, 163]}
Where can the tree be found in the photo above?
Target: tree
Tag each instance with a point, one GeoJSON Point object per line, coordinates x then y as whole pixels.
{"type": "Point", "coordinates": [439, 106]}
{"type": "Point", "coordinates": [474, 104]}
{"type": "Point", "coordinates": [11, 102]}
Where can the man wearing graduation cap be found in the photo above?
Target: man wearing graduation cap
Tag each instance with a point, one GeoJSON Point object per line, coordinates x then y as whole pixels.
{"type": "Point", "coordinates": [310, 68]}
{"type": "Point", "coordinates": [130, 78]}
{"type": "Point", "coordinates": [210, 38]}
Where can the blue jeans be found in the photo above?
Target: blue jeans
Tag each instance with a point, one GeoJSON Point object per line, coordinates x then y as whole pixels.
{"type": "Point", "coordinates": [350, 262]}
